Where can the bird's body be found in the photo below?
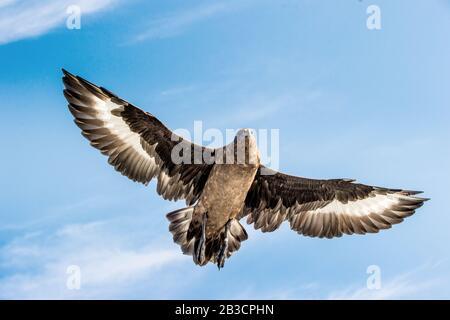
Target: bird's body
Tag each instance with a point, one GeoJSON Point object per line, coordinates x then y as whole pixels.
{"type": "Point", "coordinates": [224, 194]}
{"type": "Point", "coordinates": [221, 202]}
{"type": "Point", "coordinates": [220, 193]}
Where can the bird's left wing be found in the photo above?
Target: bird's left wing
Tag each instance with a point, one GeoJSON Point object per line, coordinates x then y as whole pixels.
{"type": "Point", "coordinates": [325, 208]}
{"type": "Point", "coordinates": [137, 144]}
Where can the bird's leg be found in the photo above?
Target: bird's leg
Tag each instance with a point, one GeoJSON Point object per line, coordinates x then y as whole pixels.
{"type": "Point", "coordinates": [202, 242]}
{"type": "Point", "coordinates": [223, 248]}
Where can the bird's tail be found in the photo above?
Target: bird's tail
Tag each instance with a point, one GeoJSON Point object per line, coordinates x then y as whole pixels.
{"type": "Point", "coordinates": [187, 229]}
{"type": "Point", "coordinates": [180, 220]}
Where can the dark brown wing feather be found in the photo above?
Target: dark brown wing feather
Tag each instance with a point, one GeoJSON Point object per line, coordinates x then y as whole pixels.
{"type": "Point", "coordinates": [325, 208]}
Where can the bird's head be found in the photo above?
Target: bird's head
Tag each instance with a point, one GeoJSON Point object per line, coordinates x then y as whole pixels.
{"type": "Point", "coordinates": [246, 147]}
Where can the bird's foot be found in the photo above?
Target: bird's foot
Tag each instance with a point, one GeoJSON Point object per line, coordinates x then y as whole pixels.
{"type": "Point", "coordinates": [200, 254]}
{"type": "Point", "coordinates": [223, 248]}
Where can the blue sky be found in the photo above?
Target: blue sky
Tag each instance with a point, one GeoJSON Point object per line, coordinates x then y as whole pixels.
{"type": "Point", "coordinates": [349, 102]}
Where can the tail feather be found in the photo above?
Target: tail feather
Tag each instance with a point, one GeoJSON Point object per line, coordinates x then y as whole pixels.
{"type": "Point", "coordinates": [236, 234]}
{"type": "Point", "coordinates": [187, 233]}
{"type": "Point", "coordinates": [180, 221]}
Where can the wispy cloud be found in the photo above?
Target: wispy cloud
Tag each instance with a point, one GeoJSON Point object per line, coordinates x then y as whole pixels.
{"type": "Point", "coordinates": [404, 286]}
{"type": "Point", "coordinates": [412, 284]}
{"type": "Point", "coordinates": [258, 107]}
{"type": "Point", "coordinates": [23, 19]}
{"type": "Point", "coordinates": [288, 292]}
{"type": "Point", "coordinates": [176, 91]}
{"type": "Point", "coordinates": [52, 215]}
{"type": "Point", "coordinates": [178, 22]}
{"type": "Point", "coordinates": [111, 264]}
{"type": "Point", "coordinates": [4, 3]}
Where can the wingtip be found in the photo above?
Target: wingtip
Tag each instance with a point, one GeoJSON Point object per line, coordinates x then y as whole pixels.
{"type": "Point", "coordinates": [412, 192]}
{"type": "Point", "coordinates": [421, 200]}
{"type": "Point", "coordinates": [66, 73]}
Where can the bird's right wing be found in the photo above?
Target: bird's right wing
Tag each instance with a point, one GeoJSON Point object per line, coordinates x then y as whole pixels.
{"type": "Point", "coordinates": [325, 208]}
{"type": "Point", "coordinates": [136, 143]}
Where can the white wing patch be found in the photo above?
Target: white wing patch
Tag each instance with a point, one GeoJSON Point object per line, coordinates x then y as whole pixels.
{"type": "Point", "coordinates": [120, 129]}
{"type": "Point", "coordinates": [110, 134]}
{"type": "Point", "coordinates": [377, 211]}
{"type": "Point", "coordinates": [358, 208]}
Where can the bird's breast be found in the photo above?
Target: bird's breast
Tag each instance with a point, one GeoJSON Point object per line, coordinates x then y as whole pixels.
{"type": "Point", "coordinates": [224, 193]}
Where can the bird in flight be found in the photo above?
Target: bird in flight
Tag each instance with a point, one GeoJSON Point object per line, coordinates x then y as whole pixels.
{"type": "Point", "coordinates": [219, 192]}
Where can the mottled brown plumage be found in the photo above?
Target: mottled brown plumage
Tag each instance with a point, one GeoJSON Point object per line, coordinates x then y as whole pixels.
{"type": "Point", "coordinates": [219, 193]}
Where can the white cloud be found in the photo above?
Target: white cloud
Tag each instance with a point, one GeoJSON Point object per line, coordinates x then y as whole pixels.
{"type": "Point", "coordinates": [112, 263]}
{"type": "Point", "coordinates": [290, 292]}
{"type": "Point", "coordinates": [176, 23]}
{"type": "Point", "coordinates": [176, 91]}
{"type": "Point", "coordinates": [23, 19]}
{"type": "Point", "coordinates": [4, 3]}
{"type": "Point", "coordinates": [258, 107]}
{"type": "Point", "coordinates": [404, 286]}
{"type": "Point", "coordinates": [420, 283]}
